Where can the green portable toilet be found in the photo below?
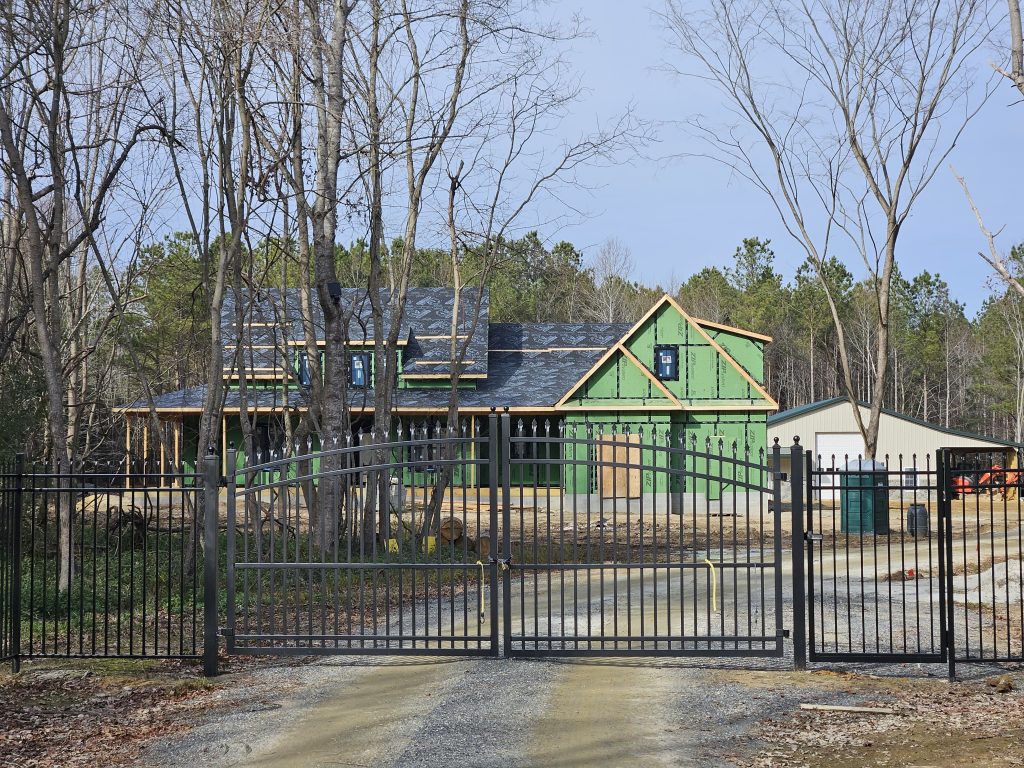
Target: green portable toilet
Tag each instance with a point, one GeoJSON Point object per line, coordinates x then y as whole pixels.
{"type": "Point", "coordinates": [864, 497]}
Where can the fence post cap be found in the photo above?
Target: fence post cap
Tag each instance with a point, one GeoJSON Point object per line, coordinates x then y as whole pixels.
{"type": "Point", "coordinates": [796, 439]}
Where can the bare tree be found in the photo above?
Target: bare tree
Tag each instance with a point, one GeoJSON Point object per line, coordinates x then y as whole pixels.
{"type": "Point", "coordinates": [842, 114]}
{"type": "Point", "coordinates": [59, 84]}
{"type": "Point", "coordinates": [614, 298]}
{"type": "Point", "coordinates": [496, 174]}
{"type": "Point", "coordinates": [992, 256]}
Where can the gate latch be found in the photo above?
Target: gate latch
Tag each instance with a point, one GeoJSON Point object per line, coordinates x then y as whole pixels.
{"type": "Point", "coordinates": [503, 563]}
{"type": "Point", "coordinates": [813, 537]}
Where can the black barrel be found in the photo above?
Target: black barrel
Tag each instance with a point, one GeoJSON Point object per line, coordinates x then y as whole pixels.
{"type": "Point", "coordinates": [917, 520]}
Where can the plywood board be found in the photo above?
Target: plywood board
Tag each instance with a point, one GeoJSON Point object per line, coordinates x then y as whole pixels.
{"type": "Point", "coordinates": [621, 482]}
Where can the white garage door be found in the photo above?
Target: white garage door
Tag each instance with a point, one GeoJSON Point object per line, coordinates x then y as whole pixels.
{"type": "Point", "coordinates": [834, 449]}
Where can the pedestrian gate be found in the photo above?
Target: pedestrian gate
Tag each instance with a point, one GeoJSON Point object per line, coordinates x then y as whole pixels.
{"type": "Point", "coordinates": [916, 558]}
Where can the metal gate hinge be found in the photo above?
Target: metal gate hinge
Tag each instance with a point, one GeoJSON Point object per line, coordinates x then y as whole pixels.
{"type": "Point", "coordinates": [227, 632]}
{"type": "Point", "coordinates": [785, 633]}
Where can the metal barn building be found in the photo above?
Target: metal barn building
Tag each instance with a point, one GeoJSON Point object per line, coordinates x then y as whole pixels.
{"type": "Point", "coordinates": [828, 428]}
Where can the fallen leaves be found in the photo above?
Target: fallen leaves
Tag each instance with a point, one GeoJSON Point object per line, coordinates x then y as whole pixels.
{"type": "Point", "coordinates": [94, 716]}
{"type": "Point", "coordinates": [965, 724]}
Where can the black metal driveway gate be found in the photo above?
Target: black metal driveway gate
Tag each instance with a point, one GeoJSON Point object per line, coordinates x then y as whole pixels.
{"type": "Point", "coordinates": [875, 577]}
{"type": "Point", "coordinates": [638, 543]}
{"type": "Point", "coordinates": [375, 545]}
{"type": "Point", "coordinates": [603, 542]}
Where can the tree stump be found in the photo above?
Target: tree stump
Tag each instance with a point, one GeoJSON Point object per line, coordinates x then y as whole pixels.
{"type": "Point", "coordinates": [450, 530]}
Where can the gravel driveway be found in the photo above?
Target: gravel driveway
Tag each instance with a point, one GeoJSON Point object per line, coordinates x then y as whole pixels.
{"type": "Point", "coordinates": [405, 711]}
{"type": "Point", "coordinates": [421, 711]}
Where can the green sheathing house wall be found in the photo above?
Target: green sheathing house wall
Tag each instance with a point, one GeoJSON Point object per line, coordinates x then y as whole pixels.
{"type": "Point", "coordinates": [748, 430]}
{"type": "Point", "coordinates": [748, 352]}
{"type": "Point", "coordinates": [705, 375]}
{"type": "Point", "coordinates": [580, 478]}
{"type": "Point", "coordinates": [618, 393]}
{"type": "Point", "coordinates": [618, 382]}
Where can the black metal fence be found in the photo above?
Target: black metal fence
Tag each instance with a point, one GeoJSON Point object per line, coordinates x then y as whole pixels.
{"type": "Point", "coordinates": [10, 560]}
{"type": "Point", "coordinates": [876, 559]}
{"type": "Point", "coordinates": [380, 544]}
{"type": "Point", "coordinates": [534, 539]}
{"type": "Point", "coordinates": [916, 558]}
{"type": "Point", "coordinates": [99, 564]}
{"type": "Point", "coordinates": [612, 543]}
{"type": "Point", "coordinates": [985, 544]}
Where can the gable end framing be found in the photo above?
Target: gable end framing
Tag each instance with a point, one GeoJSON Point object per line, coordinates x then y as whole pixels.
{"type": "Point", "coordinates": [620, 346]}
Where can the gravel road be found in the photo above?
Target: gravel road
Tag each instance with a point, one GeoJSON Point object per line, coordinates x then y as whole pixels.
{"type": "Point", "coordinates": [426, 712]}
{"type": "Point", "coordinates": [489, 712]}
{"type": "Point", "coordinates": [404, 711]}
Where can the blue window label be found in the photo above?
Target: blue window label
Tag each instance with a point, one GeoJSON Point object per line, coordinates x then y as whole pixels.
{"type": "Point", "coordinates": [360, 362]}
{"type": "Point", "coordinates": [667, 362]}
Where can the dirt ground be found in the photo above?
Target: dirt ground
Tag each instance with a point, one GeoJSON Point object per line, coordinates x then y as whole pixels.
{"type": "Point", "coordinates": [94, 713]}
{"type": "Point", "coordinates": [357, 711]}
{"type": "Point", "coordinates": [933, 724]}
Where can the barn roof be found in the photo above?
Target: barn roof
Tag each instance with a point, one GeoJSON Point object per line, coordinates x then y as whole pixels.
{"type": "Point", "coordinates": [783, 417]}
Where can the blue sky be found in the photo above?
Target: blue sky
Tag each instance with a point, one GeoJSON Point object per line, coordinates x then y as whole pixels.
{"type": "Point", "coordinates": [678, 216]}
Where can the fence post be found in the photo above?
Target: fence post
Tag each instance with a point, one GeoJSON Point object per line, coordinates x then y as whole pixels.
{"type": "Point", "coordinates": [211, 499]}
{"type": "Point", "coordinates": [947, 619]}
{"type": "Point", "coordinates": [796, 478]}
{"type": "Point", "coordinates": [506, 539]}
{"type": "Point", "coordinates": [495, 524]}
{"type": "Point", "coordinates": [229, 548]}
{"type": "Point", "coordinates": [19, 479]}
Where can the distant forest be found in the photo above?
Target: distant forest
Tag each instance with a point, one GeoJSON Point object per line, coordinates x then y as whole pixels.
{"type": "Point", "coordinates": [155, 158]}
{"type": "Point", "coordinates": [947, 367]}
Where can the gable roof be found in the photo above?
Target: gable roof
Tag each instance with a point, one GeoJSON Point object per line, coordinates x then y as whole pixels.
{"type": "Point", "coordinates": [782, 417]}
{"type": "Point", "coordinates": [519, 365]}
{"type": "Point", "coordinates": [620, 347]}
{"type": "Point", "coordinates": [274, 322]}
{"type": "Point", "coordinates": [706, 324]}
{"type": "Point", "coordinates": [529, 366]}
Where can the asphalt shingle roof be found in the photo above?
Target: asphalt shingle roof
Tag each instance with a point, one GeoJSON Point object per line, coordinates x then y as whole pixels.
{"type": "Point", "coordinates": [527, 365]}
{"type": "Point", "coordinates": [273, 322]}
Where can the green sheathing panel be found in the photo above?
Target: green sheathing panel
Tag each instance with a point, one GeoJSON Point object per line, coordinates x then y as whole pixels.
{"type": "Point", "coordinates": [190, 442]}
{"type": "Point", "coordinates": [706, 376]}
{"type": "Point", "coordinates": [744, 428]}
{"type": "Point", "coordinates": [715, 433]}
{"type": "Point", "coordinates": [414, 383]}
{"type": "Point", "coordinates": [527, 473]}
{"type": "Point", "coordinates": [580, 478]}
{"type": "Point", "coordinates": [748, 352]}
{"type": "Point", "coordinates": [618, 382]}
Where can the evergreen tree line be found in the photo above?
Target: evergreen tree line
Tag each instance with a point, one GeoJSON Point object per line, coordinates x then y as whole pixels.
{"type": "Point", "coordinates": [947, 367]}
